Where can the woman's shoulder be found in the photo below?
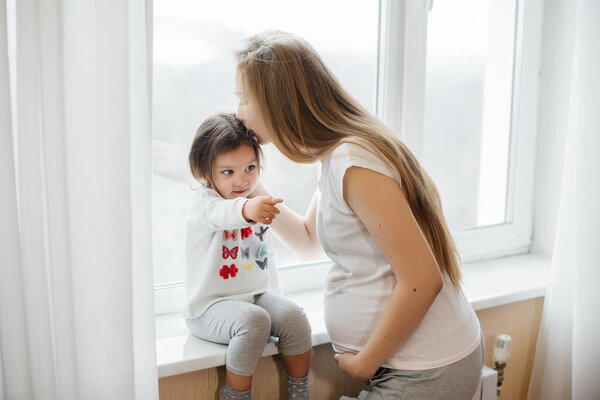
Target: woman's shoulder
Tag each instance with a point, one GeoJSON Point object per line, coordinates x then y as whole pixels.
{"type": "Point", "coordinates": [352, 147]}
{"type": "Point", "coordinates": [357, 152]}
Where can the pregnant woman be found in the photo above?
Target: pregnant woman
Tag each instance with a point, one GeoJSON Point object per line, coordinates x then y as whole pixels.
{"type": "Point", "coordinates": [394, 308]}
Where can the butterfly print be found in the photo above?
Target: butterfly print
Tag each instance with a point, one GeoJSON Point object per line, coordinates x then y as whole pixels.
{"type": "Point", "coordinates": [263, 264]}
{"type": "Point", "coordinates": [249, 266]}
{"type": "Point", "coordinates": [246, 232]}
{"type": "Point", "coordinates": [230, 235]}
{"type": "Point", "coordinates": [227, 271]}
{"type": "Point", "coordinates": [261, 251]}
{"type": "Point", "coordinates": [260, 234]}
{"type": "Point", "coordinates": [245, 252]}
{"type": "Point", "coordinates": [230, 253]}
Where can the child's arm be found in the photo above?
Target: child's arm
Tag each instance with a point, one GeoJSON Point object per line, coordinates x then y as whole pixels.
{"type": "Point", "coordinates": [297, 232]}
{"type": "Point", "coordinates": [393, 226]}
{"type": "Point", "coordinates": [211, 212]}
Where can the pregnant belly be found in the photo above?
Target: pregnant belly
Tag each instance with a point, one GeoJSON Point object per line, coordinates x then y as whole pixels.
{"type": "Point", "coordinates": [350, 320]}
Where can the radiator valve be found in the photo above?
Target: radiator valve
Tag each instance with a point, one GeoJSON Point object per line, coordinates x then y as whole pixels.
{"type": "Point", "coordinates": [501, 357]}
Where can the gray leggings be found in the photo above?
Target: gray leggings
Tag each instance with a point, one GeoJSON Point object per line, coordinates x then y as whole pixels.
{"type": "Point", "coordinates": [246, 327]}
{"type": "Point", "coordinates": [457, 381]}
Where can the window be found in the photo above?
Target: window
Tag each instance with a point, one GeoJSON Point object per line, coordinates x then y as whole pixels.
{"type": "Point", "coordinates": [468, 101]}
{"type": "Point", "coordinates": [462, 93]}
{"type": "Point", "coordinates": [449, 80]}
{"type": "Point", "coordinates": [479, 120]}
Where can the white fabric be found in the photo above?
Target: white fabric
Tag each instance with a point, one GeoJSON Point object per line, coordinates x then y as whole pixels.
{"type": "Point", "coordinates": [217, 238]}
{"type": "Point", "coordinates": [358, 287]}
{"type": "Point", "coordinates": [567, 349]}
{"type": "Point", "coordinates": [76, 295]}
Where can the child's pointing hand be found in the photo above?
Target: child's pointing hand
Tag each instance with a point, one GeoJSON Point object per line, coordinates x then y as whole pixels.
{"type": "Point", "coordinates": [261, 209]}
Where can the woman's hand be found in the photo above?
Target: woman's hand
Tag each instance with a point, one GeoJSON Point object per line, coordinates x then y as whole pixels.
{"type": "Point", "coordinates": [261, 209]}
{"type": "Point", "coordinates": [352, 366]}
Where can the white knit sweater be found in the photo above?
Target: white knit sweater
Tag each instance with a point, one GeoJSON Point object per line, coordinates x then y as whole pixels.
{"type": "Point", "coordinates": [226, 257]}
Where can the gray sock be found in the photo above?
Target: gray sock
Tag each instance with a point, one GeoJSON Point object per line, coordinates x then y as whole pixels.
{"type": "Point", "coordinates": [228, 393]}
{"type": "Point", "coordinates": [297, 388]}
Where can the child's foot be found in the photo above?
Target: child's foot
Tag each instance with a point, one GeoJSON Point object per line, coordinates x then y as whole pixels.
{"type": "Point", "coordinates": [228, 393]}
{"type": "Point", "coordinates": [298, 388]}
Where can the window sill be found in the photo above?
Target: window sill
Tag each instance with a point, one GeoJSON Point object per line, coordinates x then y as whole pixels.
{"type": "Point", "coordinates": [486, 284]}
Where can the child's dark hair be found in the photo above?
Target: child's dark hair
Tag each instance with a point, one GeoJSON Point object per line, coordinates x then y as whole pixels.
{"type": "Point", "coordinates": [218, 134]}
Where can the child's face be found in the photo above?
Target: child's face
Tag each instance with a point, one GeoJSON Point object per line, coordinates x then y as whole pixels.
{"type": "Point", "coordinates": [235, 173]}
{"type": "Point", "coordinates": [249, 111]}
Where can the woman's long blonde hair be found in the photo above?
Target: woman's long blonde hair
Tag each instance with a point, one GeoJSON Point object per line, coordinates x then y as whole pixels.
{"type": "Point", "coordinates": [308, 114]}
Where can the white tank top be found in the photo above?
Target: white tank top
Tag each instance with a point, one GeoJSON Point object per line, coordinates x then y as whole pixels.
{"type": "Point", "coordinates": [359, 285]}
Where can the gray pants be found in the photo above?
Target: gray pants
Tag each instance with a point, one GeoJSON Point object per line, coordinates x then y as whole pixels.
{"type": "Point", "coordinates": [246, 327]}
{"type": "Point", "coordinates": [457, 381]}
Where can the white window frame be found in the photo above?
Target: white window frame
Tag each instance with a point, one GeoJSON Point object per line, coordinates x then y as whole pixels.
{"type": "Point", "coordinates": [515, 236]}
{"type": "Point", "coordinates": [400, 103]}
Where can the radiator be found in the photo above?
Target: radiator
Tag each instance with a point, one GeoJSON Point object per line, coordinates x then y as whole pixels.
{"type": "Point", "coordinates": [487, 385]}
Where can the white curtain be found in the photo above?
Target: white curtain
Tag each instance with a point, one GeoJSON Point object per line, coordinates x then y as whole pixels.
{"type": "Point", "coordinates": [76, 302]}
{"type": "Point", "coordinates": [567, 352]}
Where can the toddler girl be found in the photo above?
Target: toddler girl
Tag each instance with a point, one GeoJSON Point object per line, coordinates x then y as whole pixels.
{"type": "Point", "coordinates": [229, 271]}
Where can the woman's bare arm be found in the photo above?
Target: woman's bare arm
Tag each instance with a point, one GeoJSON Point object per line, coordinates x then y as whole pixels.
{"type": "Point", "coordinates": [296, 231]}
{"type": "Point", "coordinates": [380, 204]}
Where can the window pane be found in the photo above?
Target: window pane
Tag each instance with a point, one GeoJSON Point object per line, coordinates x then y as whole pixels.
{"type": "Point", "coordinates": [194, 70]}
{"type": "Point", "coordinates": [468, 103]}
